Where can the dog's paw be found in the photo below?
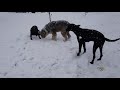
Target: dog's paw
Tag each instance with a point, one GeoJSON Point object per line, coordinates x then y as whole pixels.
{"type": "Point", "coordinates": [78, 54]}
{"type": "Point", "coordinates": [65, 40]}
{"type": "Point", "coordinates": [54, 39]}
{"type": "Point", "coordinates": [99, 59]}
{"type": "Point", "coordinates": [84, 52]}
{"type": "Point", "coordinates": [91, 62]}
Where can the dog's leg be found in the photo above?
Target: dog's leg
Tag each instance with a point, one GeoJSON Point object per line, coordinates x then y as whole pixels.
{"type": "Point", "coordinates": [31, 36]}
{"type": "Point", "coordinates": [68, 34]}
{"type": "Point", "coordinates": [94, 51]}
{"type": "Point", "coordinates": [100, 53]}
{"type": "Point", "coordinates": [54, 35]}
{"type": "Point", "coordinates": [39, 36]}
{"type": "Point", "coordinates": [80, 45]}
{"type": "Point", "coordinates": [84, 46]}
{"type": "Point", "coordinates": [64, 35]}
{"type": "Point", "coordinates": [101, 49]}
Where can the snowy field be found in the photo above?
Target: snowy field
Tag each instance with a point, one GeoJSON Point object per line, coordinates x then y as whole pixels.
{"type": "Point", "coordinates": [21, 57]}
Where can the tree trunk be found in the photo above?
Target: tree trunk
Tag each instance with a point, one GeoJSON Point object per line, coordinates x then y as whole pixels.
{"type": "Point", "coordinates": [49, 16]}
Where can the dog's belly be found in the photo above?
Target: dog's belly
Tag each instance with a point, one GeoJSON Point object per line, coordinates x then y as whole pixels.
{"type": "Point", "coordinates": [87, 40]}
{"type": "Point", "coordinates": [58, 30]}
{"type": "Point", "coordinates": [90, 39]}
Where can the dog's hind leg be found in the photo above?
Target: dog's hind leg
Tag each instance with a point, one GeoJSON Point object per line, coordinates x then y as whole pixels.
{"type": "Point", "coordinates": [101, 49]}
{"type": "Point", "coordinates": [84, 47]}
{"type": "Point", "coordinates": [101, 53]}
{"type": "Point", "coordinates": [95, 46]}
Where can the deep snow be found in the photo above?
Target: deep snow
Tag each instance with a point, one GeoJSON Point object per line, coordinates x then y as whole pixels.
{"type": "Point", "coordinates": [24, 58]}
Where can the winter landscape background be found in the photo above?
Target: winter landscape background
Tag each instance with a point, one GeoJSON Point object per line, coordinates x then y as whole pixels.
{"type": "Point", "coordinates": [21, 57]}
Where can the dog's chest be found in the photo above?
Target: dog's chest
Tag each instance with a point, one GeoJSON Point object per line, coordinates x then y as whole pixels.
{"type": "Point", "coordinates": [87, 37]}
{"type": "Point", "coordinates": [80, 37]}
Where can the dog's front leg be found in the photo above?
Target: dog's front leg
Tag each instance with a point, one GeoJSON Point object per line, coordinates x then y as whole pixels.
{"type": "Point", "coordinates": [84, 46]}
{"type": "Point", "coordinates": [39, 36]}
{"type": "Point", "coordinates": [31, 36]}
{"type": "Point", "coordinates": [68, 34]}
{"type": "Point", "coordinates": [64, 34]}
{"type": "Point", "coordinates": [80, 45]}
{"type": "Point", "coordinates": [54, 35]}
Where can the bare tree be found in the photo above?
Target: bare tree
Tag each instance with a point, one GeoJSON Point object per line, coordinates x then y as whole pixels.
{"type": "Point", "coordinates": [86, 13]}
{"type": "Point", "coordinates": [49, 16]}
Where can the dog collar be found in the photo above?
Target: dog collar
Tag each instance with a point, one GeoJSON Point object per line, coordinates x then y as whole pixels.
{"type": "Point", "coordinates": [46, 31]}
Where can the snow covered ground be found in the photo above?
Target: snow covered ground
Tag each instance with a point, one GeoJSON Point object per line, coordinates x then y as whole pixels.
{"type": "Point", "coordinates": [21, 57]}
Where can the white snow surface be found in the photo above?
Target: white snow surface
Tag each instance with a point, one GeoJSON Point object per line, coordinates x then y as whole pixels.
{"type": "Point", "coordinates": [21, 57]}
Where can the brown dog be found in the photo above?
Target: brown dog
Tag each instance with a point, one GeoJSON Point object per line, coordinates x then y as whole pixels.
{"type": "Point", "coordinates": [54, 27]}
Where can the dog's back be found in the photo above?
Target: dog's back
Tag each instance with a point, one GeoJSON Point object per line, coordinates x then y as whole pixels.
{"type": "Point", "coordinates": [90, 35]}
{"type": "Point", "coordinates": [56, 25]}
{"type": "Point", "coordinates": [86, 34]}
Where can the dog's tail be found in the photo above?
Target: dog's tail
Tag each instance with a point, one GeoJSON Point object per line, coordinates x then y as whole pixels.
{"type": "Point", "coordinates": [106, 39]}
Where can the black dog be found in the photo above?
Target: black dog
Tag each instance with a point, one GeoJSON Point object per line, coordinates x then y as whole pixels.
{"type": "Point", "coordinates": [34, 31]}
{"type": "Point", "coordinates": [86, 35]}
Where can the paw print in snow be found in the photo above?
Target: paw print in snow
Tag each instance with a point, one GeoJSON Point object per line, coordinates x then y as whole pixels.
{"type": "Point", "coordinates": [31, 58]}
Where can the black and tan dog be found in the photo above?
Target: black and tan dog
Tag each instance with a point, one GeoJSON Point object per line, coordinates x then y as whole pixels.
{"type": "Point", "coordinates": [34, 31]}
{"type": "Point", "coordinates": [86, 35]}
{"type": "Point", "coordinates": [54, 27]}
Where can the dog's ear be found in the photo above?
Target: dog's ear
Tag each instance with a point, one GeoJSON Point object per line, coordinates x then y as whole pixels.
{"type": "Point", "coordinates": [72, 25]}
{"type": "Point", "coordinates": [78, 25]}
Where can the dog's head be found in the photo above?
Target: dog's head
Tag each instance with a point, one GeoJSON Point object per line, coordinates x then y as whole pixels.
{"type": "Point", "coordinates": [34, 27]}
{"type": "Point", "coordinates": [43, 33]}
{"type": "Point", "coordinates": [72, 27]}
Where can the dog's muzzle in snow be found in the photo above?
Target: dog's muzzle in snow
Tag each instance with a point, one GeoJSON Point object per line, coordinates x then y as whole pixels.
{"type": "Point", "coordinates": [44, 33]}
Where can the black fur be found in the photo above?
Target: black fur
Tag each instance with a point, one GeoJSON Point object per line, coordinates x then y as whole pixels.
{"type": "Point", "coordinates": [34, 31]}
{"type": "Point", "coordinates": [86, 35]}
